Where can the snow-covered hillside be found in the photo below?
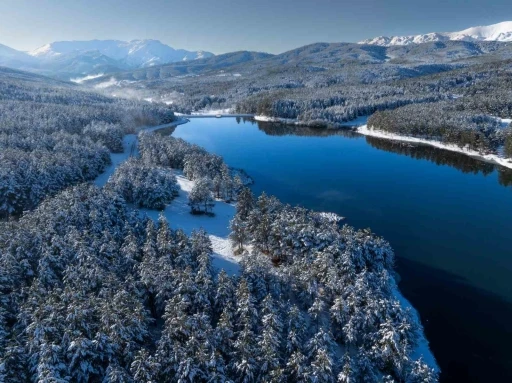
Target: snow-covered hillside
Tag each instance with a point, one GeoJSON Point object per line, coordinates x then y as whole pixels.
{"type": "Point", "coordinates": [496, 32]}
{"type": "Point", "coordinates": [12, 58]}
{"type": "Point", "coordinates": [136, 53]}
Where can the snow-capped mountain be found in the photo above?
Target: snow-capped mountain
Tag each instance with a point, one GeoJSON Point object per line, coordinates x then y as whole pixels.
{"type": "Point", "coordinates": [135, 53]}
{"type": "Point", "coordinates": [496, 32]}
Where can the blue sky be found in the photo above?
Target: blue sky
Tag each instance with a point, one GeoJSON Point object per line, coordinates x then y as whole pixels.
{"type": "Point", "coordinates": [227, 25]}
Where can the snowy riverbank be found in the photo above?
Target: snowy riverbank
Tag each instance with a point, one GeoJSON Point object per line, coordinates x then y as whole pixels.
{"type": "Point", "coordinates": [288, 121]}
{"type": "Point", "coordinates": [493, 158]}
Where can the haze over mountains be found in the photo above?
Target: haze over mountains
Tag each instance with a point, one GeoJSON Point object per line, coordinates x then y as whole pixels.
{"type": "Point", "coordinates": [496, 32]}
{"type": "Point", "coordinates": [74, 58]}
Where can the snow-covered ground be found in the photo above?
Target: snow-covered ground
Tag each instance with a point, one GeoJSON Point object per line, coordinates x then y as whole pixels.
{"type": "Point", "coordinates": [289, 121]}
{"type": "Point", "coordinates": [359, 121]}
{"type": "Point", "coordinates": [505, 122]}
{"type": "Point", "coordinates": [178, 212]}
{"type": "Point", "coordinates": [493, 158]}
{"type": "Point", "coordinates": [178, 215]}
{"type": "Point", "coordinates": [211, 112]}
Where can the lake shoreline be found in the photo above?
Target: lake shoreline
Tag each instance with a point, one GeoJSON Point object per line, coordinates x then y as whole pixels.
{"type": "Point", "coordinates": [490, 158]}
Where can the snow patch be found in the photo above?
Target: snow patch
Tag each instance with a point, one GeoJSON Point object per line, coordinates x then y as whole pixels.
{"type": "Point", "coordinates": [331, 217]}
{"type": "Point", "coordinates": [211, 112]}
{"type": "Point", "coordinates": [289, 121]}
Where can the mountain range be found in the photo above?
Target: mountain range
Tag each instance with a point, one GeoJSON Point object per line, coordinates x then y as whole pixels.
{"type": "Point", "coordinates": [67, 59]}
{"type": "Point", "coordinates": [496, 32]}
{"type": "Point", "coordinates": [145, 59]}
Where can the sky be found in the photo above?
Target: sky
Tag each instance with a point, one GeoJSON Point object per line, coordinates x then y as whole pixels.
{"type": "Point", "coordinates": [221, 26]}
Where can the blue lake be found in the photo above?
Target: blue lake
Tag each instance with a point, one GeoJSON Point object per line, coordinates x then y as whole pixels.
{"type": "Point", "coordinates": [448, 217]}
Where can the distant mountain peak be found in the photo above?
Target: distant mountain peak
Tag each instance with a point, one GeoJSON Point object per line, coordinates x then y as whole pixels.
{"type": "Point", "coordinates": [135, 53]}
{"type": "Point", "coordinates": [495, 32]}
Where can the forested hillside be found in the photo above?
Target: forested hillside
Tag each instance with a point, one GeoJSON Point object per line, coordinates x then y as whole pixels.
{"type": "Point", "coordinates": [53, 135]}
{"type": "Point", "coordinates": [325, 84]}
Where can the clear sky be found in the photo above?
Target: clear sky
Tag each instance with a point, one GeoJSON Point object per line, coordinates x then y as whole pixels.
{"type": "Point", "coordinates": [222, 26]}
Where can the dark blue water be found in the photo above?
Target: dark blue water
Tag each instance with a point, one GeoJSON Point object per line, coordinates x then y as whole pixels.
{"type": "Point", "coordinates": [448, 217]}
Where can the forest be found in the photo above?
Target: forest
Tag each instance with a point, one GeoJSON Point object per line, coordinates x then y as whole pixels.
{"type": "Point", "coordinates": [54, 136]}
{"type": "Point", "coordinates": [94, 291]}
{"type": "Point", "coordinates": [134, 301]}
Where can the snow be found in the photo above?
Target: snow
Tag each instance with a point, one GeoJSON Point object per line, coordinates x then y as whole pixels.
{"type": "Point", "coordinates": [138, 53]}
{"type": "Point", "coordinates": [211, 112]}
{"type": "Point", "coordinates": [493, 158]}
{"type": "Point", "coordinates": [422, 349]}
{"type": "Point", "coordinates": [495, 32]}
{"type": "Point", "coordinates": [117, 159]}
{"type": "Point", "coordinates": [332, 217]}
{"type": "Point", "coordinates": [289, 121]}
{"type": "Point", "coordinates": [177, 212]}
{"type": "Point", "coordinates": [178, 215]}
{"type": "Point", "coordinates": [505, 122]}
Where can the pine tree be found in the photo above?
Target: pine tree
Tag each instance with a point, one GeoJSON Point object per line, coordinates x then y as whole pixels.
{"type": "Point", "coordinates": [144, 368]}
{"type": "Point", "coordinates": [270, 342]}
{"type": "Point", "coordinates": [297, 368]}
{"type": "Point", "coordinates": [239, 234]}
{"type": "Point", "coordinates": [245, 203]}
{"type": "Point", "coordinates": [225, 292]}
{"type": "Point", "coordinates": [421, 372]}
{"type": "Point", "coordinates": [200, 198]}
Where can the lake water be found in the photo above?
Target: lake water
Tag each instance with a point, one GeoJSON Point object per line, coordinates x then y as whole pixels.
{"type": "Point", "coordinates": [448, 217]}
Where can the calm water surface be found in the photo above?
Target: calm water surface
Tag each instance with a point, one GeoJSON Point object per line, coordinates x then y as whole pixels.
{"type": "Point", "coordinates": [448, 217]}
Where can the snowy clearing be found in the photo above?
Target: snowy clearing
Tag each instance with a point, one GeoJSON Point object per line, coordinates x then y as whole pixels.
{"type": "Point", "coordinates": [178, 215]}
{"type": "Point", "coordinates": [359, 121]}
{"type": "Point", "coordinates": [493, 158]}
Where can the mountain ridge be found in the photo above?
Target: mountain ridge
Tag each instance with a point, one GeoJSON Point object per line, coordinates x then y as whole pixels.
{"type": "Point", "coordinates": [68, 59]}
{"type": "Point", "coordinates": [494, 32]}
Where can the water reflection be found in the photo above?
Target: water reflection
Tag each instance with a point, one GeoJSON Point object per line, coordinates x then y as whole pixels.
{"type": "Point", "coordinates": [459, 161]}
{"type": "Point", "coordinates": [273, 129]}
